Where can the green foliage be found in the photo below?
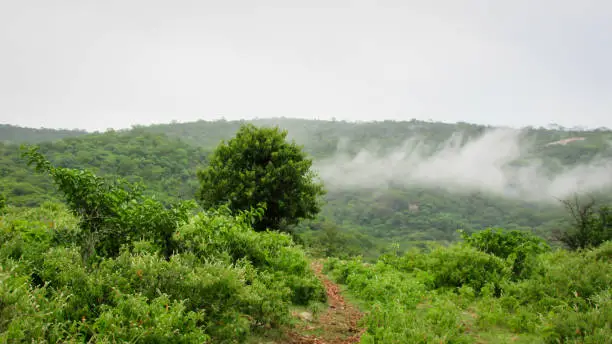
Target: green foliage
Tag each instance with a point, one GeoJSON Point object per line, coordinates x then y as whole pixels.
{"type": "Point", "coordinates": [112, 213]}
{"type": "Point", "coordinates": [326, 239]}
{"type": "Point", "coordinates": [259, 168]}
{"type": "Point", "coordinates": [166, 158]}
{"type": "Point", "coordinates": [386, 216]}
{"type": "Point", "coordinates": [231, 238]}
{"type": "Point", "coordinates": [223, 283]}
{"type": "Point", "coordinates": [166, 166]}
{"type": "Point", "coordinates": [154, 274]}
{"type": "Point", "coordinates": [460, 294]}
{"type": "Point", "coordinates": [454, 267]}
{"type": "Point", "coordinates": [18, 135]}
{"type": "Point", "coordinates": [518, 247]}
{"type": "Point", "coordinates": [162, 276]}
{"type": "Point", "coordinates": [2, 203]}
{"type": "Point", "coordinates": [135, 318]}
{"type": "Point", "coordinates": [591, 225]}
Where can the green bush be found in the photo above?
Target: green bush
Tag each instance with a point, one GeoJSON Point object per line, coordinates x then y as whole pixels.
{"type": "Point", "coordinates": [219, 234]}
{"type": "Point", "coordinates": [518, 247]}
{"type": "Point", "coordinates": [461, 294]}
{"type": "Point", "coordinates": [453, 267]}
{"type": "Point", "coordinates": [135, 318]}
{"type": "Point", "coordinates": [112, 213]}
{"type": "Point", "coordinates": [224, 282]}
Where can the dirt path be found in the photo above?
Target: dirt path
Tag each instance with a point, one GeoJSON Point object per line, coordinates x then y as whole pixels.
{"type": "Point", "coordinates": [338, 325]}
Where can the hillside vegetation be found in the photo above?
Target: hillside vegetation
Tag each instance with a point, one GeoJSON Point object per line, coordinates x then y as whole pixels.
{"type": "Point", "coordinates": [128, 269]}
{"type": "Point", "coordinates": [167, 166]}
{"type": "Point", "coordinates": [129, 256]}
{"type": "Point", "coordinates": [17, 135]}
{"type": "Point", "coordinates": [366, 209]}
{"type": "Point", "coordinates": [496, 287]}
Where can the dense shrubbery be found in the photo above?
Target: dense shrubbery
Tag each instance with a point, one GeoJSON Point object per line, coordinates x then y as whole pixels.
{"type": "Point", "coordinates": [116, 265]}
{"type": "Point", "coordinates": [504, 287]}
{"type": "Point", "coordinates": [112, 213]}
{"type": "Point", "coordinates": [518, 247]}
{"type": "Point", "coordinates": [155, 274]}
{"type": "Point", "coordinates": [224, 282]}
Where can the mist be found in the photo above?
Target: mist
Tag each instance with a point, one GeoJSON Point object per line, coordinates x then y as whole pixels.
{"type": "Point", "coordinates": [499, 162]}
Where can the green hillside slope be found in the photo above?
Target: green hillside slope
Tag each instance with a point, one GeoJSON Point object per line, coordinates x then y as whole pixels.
{"type": "Point", "coordinates": [361, 216]}
{"type": "Point", "coordinates": [15, 134]}
{"type": "Point", "coordinates": [412, 212]}
{"type": "Point", "coordinates": [321, 138]}
{"type": "Point", "coordinates": [167, 166]}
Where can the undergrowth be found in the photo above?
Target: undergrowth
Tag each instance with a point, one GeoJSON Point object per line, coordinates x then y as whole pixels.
{"type": "Point", "coordinates": [495, 287]}
{"type": "Point", "coordinates": [115, 266]}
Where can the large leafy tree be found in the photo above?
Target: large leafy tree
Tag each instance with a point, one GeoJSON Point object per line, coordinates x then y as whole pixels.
{"type": "Point", "coordinates": [258, 167]}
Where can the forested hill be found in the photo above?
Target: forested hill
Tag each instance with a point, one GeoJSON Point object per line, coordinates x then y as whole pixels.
{"type": "Point", "coordinates": [322, 138]}
{"type": "Point", "coordinates": [369, 201]}
{"type": "Point", "coordinates": [165, 165]}
{"type": "Point", "coordinates": [133, 268]}
{"type": "Point", "coordinates": [15, 134]}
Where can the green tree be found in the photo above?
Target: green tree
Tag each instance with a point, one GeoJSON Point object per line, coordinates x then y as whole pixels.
{"type": "Point", "coordinates": [258, 167]}
{"type": "Point", "coordinates": [591, 225]}
{"type": "Point", "coordinates": [112, 213]}
{"type": "Point", "coordinates": [519, 247]}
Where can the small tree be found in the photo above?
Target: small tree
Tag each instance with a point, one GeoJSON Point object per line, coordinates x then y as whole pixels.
{"type": "Point", "coordinates": [519, 247]}
{"type": "Point", "coordinates": [112, 213]}
{"type": "Point", "coordinates": [259, 168]}
{"type": "Point", "coordinates": [591, 225]}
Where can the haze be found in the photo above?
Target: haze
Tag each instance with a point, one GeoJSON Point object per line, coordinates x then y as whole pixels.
{"type": "Point", "coordinates": [100, 64]}
{"type": "Point", "coordinates": [484, 164]}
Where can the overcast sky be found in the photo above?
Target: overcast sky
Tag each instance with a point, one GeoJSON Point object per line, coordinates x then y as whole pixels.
{"type": "Point", "coordinates": [113, 63]}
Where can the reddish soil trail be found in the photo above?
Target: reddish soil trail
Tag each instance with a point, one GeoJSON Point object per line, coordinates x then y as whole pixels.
{"type": "Point", "coordinates": [338, 325]}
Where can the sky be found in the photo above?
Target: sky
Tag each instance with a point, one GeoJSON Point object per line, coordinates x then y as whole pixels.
{"type": "Point", "coordinates": [115, 63]}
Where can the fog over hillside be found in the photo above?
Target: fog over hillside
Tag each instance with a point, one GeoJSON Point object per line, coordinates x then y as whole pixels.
{"type": "Point", "coordinates": [497, 162]}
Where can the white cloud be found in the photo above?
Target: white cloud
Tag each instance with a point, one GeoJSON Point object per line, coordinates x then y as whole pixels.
{"type": "Point", "coordinates": [482, 164]}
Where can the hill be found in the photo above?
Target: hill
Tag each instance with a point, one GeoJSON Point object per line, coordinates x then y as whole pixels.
{"type": "Point", "coordinates": [132, 269]}
{"type": "Point", "coordinates": [167, 166]}
{"type": "Point", "coordinates": [407, 182]}
{"type": "Point", "coordinates": [414, 181]}
{"type": "Point", "coordinates": [17, 135]}
{"type": "Point", "coordinates": [323, 138]}
{"type": "Point", "coordinates": [129, 269]}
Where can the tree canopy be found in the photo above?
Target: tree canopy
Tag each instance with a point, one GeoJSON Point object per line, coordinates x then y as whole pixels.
{"type": "Point", "coordinates": [166, 157]}
{"type": "Point", "coordinates": [258, 167]}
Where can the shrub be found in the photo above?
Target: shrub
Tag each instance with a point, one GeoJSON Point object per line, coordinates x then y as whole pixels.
{"type": "Point", "coordinates": [224, 282]}
{"type": "Point", "coordinates": [112, 213]}
{"type": "Point", "coordinates": [518, 247]}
